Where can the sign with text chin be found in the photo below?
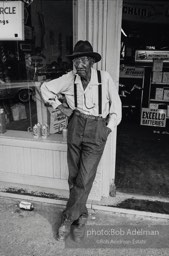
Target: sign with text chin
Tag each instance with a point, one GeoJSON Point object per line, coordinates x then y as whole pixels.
{"type": "Point", "coordinates": [11, 20]}
{"type": "Point", "coordinates": [153, 117]}
{"type": "Point", "coordinates": [150, 11]}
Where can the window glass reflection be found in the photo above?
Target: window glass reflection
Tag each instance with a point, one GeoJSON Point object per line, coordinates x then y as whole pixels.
{"type": "Point", "coordinates": [41, 56]}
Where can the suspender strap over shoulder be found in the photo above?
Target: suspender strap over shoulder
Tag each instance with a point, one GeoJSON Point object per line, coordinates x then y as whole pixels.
{"type": "Point", "coordinates": [75, 94]}
{"type": "Point", "coordinates": [99, 92]}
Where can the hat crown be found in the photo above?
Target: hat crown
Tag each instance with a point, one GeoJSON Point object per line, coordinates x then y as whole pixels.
{"type": "Point", "coordinates": [83, 46]}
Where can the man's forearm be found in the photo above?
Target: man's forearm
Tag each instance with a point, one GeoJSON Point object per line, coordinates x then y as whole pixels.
{"type": "Point", "coordinates": [65, 110]}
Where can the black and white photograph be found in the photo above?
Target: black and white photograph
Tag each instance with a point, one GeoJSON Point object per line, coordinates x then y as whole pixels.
{"type": "Point", "coordinates": [84, 127]}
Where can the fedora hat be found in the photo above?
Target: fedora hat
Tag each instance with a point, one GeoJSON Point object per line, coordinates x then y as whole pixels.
{"type": "Point", "coordinates": [84, 48]}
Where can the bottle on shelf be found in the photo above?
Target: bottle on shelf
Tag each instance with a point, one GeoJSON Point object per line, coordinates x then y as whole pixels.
{"type": "Point", "coordinates": [2, 121]}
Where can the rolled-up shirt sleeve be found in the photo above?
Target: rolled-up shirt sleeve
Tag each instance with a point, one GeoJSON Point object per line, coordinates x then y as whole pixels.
{"type": "Point", "coordinates": [115, 113]}
{"type": "Point", "coordinates": [50, 90]}
{"type": "Point", "coordinates": [49, 96]}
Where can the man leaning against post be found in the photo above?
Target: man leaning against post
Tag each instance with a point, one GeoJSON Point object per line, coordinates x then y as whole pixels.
{"type": "Point", "coordinates": [94, 110]}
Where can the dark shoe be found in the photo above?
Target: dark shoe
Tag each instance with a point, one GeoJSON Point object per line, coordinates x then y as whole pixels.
{"type": "Point", "coordinates": [64, 230]}
{"type": "Point", "coordinates": [78, 226]}
{"type": "Point", "coordinates": [81, 220]}
{"type": "Point", "coordinates": [78, 232]}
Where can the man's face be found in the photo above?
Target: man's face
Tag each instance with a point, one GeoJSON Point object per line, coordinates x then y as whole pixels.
{"type": "Point", "coordinates": [83, 65]}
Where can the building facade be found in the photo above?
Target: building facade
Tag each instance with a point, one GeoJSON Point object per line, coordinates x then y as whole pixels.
{"type": "Point", "coordinates": [48, 38]}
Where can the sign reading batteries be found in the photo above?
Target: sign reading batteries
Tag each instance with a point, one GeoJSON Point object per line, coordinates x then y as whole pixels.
{"type": "Point", "coordinates": [153, 117]}
{"type": "Point", "coordinates": [11, 20]}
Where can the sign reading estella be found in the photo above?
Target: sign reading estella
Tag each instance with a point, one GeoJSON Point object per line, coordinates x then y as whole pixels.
{"type": "Point", "coordinates": [153, 117]}
{"type": "Point", "coordinates": [11, 20]}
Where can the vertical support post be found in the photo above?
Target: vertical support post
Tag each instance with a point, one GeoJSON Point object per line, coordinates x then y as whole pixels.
{"type": "Point", "coordinates": [99, 22]}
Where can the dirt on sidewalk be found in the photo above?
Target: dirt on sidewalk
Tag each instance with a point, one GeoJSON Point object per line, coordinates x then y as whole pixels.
{"type": "Point", "coordinates": [33, 233]}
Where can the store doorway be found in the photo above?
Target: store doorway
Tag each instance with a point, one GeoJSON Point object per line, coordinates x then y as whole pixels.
{"type": "Point", "coordinates": [142, 150]}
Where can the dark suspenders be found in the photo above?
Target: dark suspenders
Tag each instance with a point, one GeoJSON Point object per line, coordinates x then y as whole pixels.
{"type": "Point", "coordinates": [99, 93]}
{"type": "Point", "coordinates": [75, 93]}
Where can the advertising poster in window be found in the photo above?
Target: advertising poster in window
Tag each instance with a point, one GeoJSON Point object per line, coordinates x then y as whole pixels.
{"type": "Point", "coordinates": [153, 117]}
{"type": "Point", "coordinates": [130, 90]}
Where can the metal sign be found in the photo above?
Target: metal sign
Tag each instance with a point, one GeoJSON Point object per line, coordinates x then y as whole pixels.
{"type": "Point", "coordinates": [153, 117]}
{"type": "Point", "coordinates": [146, 11]}
{"type": "Point", "coordinates": [150, 56]}
{"type": "Point", "coordinates": [11, 20]}
{"type": "Point", "coordinates": [131, 72]}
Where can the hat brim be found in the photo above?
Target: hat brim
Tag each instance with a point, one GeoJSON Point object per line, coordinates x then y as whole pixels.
{"type": "Point", "coordinates": [96, 56]}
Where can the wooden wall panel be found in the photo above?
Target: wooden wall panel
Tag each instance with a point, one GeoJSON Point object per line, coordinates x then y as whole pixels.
{"type": "Point", "coordinates": [33, 162]}
{"type": "Point", "coordinates": [56, 164]}
{"type": "Point", "coordinates": [64, 168]}
{"type": "Point", "coordinates": [27, 161]}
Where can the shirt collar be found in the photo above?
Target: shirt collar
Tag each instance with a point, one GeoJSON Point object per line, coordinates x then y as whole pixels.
{"type": "Point", "coordinates": [93, 80]}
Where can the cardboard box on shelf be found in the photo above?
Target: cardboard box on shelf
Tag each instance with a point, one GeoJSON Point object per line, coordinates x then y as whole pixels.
{"type": "Point", "coordinates": [166, 94]}
{"type": "Point", "coordinates": [159, 93]}
{"type": "Point", "coordinates": [165, 77]}
{"type": "Point", "coordinates": [58, 121]}
{"type": "Point", "coordinates": [157, 77]}
{"type": "Point", "coordinates": [153, 106]}
{"type": "Point", "coordinates": [157, 65]}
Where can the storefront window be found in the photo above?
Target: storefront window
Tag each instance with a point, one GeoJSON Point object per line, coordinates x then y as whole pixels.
{"type": "Point", "coordinates": [41, 56]}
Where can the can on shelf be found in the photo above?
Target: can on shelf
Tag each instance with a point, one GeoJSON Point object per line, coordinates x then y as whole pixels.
{"type": "Point", "coordinates": [64, 134]}
{"type": "Point", "coordinates": [2, 121]}
{"type": "Point", "coordinates": [37, 131]}
{"type": "Point", "coordinates": [26, 206]}
{"type": "Point", "coordinates": [45, 131]}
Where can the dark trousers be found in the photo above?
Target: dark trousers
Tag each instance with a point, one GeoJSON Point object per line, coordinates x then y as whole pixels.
{"type": "Point", "coordinates": [86, 141]}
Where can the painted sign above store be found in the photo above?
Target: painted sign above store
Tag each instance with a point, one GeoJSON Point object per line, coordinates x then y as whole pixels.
{"type": "Point", "coordinates": [153, 117]}
{"type": "Point", "coordinates": [146, 11]}
{"type": "Point", "coordinates": [11, 20]}
{"type": "Point", "coordinates": [149, 56]}
{"type": "Point", "coordinates": [131, 72]}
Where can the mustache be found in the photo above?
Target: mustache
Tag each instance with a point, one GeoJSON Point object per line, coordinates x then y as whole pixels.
{"type": "Point", "coordinates": [80, 69]}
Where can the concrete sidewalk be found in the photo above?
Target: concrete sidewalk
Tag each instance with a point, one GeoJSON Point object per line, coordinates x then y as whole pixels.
{"type": "Point", "coordinates": [33, 233]}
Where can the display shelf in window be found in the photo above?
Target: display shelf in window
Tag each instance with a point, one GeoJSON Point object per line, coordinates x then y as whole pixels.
{"type": "Point", "coordinates": [163, 84]}
{"type": "Point", "coordinates": [159, 92]}
{"type": "Point", "coordinates": [164, 101]}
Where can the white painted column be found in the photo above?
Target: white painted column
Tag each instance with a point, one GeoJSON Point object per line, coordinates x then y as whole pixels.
{"type": "Point", "coordinates": [99, 22]}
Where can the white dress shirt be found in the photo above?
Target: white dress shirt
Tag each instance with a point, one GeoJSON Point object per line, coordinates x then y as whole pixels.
{"type": "Point", "coordinates": [87, 100]}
